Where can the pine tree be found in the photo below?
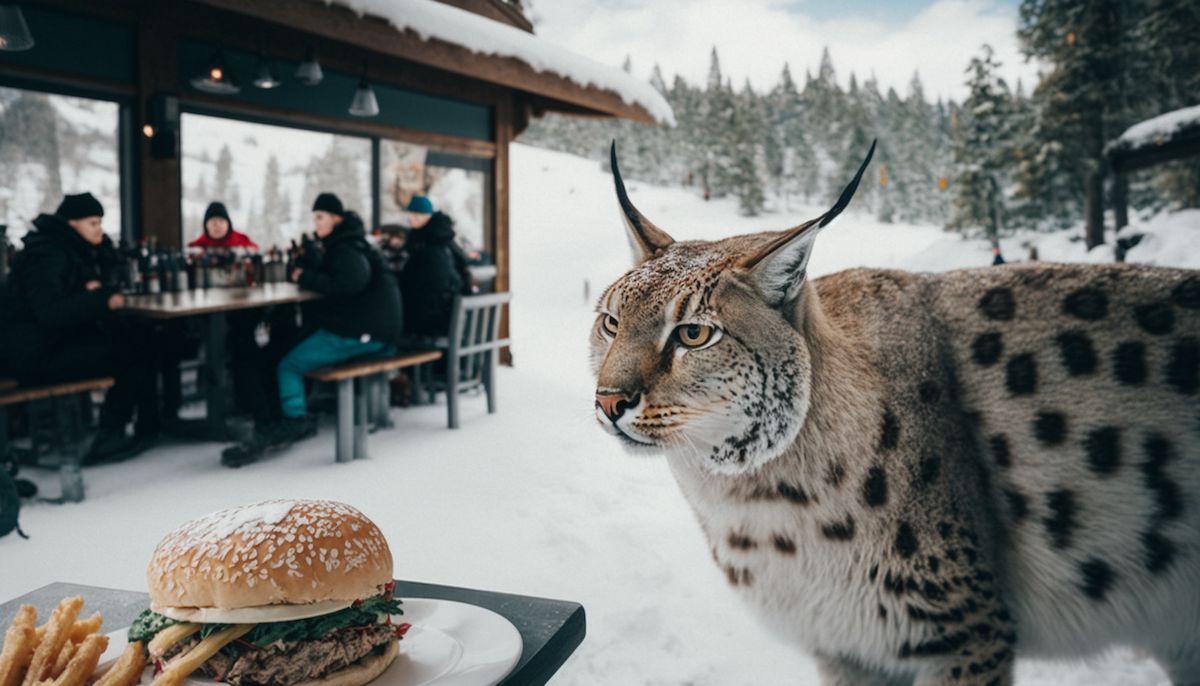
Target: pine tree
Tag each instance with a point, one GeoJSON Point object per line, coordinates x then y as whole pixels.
{"type": "Point", "coordinates": [223, 175]}
{"type": "Point", "coordinates": [981, 149]}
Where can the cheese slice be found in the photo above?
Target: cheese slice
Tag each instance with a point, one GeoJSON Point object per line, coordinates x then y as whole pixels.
{"type": "Point", "coordinates": [253, 615]}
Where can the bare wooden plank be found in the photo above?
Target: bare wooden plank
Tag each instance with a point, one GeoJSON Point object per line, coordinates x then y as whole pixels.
{"type": "Point", "coordinates": [354, 370]}
{"type": "Point", "coordinates": [23, 395]}
{"type": "Point", "coordinates": [504, 135]}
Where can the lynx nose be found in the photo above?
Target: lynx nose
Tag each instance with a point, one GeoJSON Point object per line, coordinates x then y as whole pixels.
{"type": "Point", "coordinates": [614, 403]}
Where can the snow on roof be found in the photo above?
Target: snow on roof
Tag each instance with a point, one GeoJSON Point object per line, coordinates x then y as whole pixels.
{"type": "Point", "coordinates": [481, 35]}
{"type": "Point", "coordinates": [1157, 130]}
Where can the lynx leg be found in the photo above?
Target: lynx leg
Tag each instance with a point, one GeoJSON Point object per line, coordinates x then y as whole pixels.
{"type": "Point", "coordinates": [838, 671]}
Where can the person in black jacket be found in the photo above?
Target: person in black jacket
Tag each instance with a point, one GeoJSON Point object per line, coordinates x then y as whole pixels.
{"type": "Point", "coordinates": [436, 270]}
{"type": "Point", "coordinates": [360, 315]}
{"type": "Point", "coordinates": [59, 324]}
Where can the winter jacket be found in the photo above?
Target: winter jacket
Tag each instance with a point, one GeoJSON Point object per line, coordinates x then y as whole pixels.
{"type": "Point", "coordinates": [233, 239]}
{"type": "Point", "coordinates": [436, 272]}
{"type": "Point", "coordinates": [46, 300]}
{"type": "Point", "coordinates": [362, 297]}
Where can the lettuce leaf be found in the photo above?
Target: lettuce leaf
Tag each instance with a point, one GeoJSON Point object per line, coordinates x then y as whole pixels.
{"type": "Point", "coordinates": [374, 610]}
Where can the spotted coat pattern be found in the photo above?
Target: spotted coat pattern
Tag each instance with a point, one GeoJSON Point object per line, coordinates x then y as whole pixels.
{"type": "Point", "coordinates": [919, 477]}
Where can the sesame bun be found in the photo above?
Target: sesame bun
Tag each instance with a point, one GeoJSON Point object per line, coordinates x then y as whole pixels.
{"type": "Point", "coordinates": [279, 552]}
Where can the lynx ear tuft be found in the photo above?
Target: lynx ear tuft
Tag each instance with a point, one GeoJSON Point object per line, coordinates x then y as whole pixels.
{"type": "Point", "coordinates": [646, 239]}
{"type": "Point", "coordinates": [780, 267]}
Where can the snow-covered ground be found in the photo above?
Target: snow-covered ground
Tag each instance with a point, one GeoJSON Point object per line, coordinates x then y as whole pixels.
{"type": "Point", "coordinates": [535, 499]}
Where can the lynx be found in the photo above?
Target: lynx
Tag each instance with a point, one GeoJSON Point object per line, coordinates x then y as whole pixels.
{"type": "Point", "coordinates": [919, 477]}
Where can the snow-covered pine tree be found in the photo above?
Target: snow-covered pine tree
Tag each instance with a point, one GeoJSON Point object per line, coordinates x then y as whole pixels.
{"type": "Point", "coordinates": [981, 150]}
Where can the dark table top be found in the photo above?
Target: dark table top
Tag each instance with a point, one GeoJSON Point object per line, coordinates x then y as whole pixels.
{"type": "Point", "coordinates": [550, 629]}
{"type": "Point", "coordinates": [209, 300]}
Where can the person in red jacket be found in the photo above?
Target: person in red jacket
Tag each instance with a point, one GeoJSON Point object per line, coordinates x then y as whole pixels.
{"type": "Point", "coordinates": [218, 231]}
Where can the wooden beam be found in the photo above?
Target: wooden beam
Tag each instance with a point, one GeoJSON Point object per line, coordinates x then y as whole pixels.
{"type": "Point", "coordinates": [433, 141]}
{"type": "Point", "coordinates": [371, 33]}
{"type": "Point", "coordinates": [161, 182]}
{"type": "Point", "coordinates": [1185, 145]}
{"type": "Point", "coordinates": [500, 180]}
{"type": "Point", "coordinates": [71, 82]}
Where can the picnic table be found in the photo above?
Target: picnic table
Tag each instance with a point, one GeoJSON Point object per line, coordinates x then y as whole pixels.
{"type": "Point", "coordinates": [550, 629]}
{"type": "Point", "coordinates": [212, 304]}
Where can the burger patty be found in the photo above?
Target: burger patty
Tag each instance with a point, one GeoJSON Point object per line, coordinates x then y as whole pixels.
{"type": "Point", "coordinates": [284, 663]}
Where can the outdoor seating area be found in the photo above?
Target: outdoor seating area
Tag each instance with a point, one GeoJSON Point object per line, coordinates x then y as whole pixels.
{"type": "Point", "coordinates": [230, 257]}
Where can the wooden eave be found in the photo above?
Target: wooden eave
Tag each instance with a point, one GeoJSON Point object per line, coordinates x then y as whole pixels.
{"type": "Point", "coordinates": [377, 35]}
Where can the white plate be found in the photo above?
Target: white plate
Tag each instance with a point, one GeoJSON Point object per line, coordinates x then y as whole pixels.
{"type": "Point", "coordinates": [449, 644]}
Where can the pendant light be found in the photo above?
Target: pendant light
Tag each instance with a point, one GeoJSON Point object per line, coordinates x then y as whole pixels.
{"type": "Point", "coordinates": [14, 32]}
{"type": "Point", "coordinates": [309, 72]}
{"type": "Point", "coordinates": [216, 77]}
{"type": "Point", "coordinates": [364, 103]}
{"type": "Point", "coordinates": [264, 76]}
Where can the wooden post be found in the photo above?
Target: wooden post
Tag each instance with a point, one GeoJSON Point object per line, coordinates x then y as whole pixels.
{"type": "Point", "coordinates": [1120, 197]}
{"type": "Point", "coordinates": [160, 179]}
{"type": "Point", "coordinates": [1093, 209]}
{"type": "Point", "coordinates": [500, 189]}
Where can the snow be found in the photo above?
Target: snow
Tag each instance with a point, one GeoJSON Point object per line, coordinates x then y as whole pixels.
{"type": "Point", "coordinates": [481, 35]}
{"type": "Point", "coordinates": [1157, 130]}
{"type": "Point", "coordinates": [535, 499]}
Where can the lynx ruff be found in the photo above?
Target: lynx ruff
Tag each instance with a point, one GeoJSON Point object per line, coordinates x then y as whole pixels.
{"type": "Point", "coordinates": [918, 477]}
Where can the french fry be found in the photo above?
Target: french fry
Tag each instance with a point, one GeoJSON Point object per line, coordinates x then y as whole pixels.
{"type": "Point", "coordinates": [64, 656]}
{"type": "Point", "coordinates": [179, 668]}
{"type": "Point", "coordinates": [86, 627]}
{"type": "Point", "coordinates": [168, 637]}
{"type": "Point", "coordinates": [58, 630]}
{"type": "Point", "coordinates": [84, 662]}
{"type": "Point", "coordinates": [18, 645]}
{"type": "Point", "coordinates": [128, 668]}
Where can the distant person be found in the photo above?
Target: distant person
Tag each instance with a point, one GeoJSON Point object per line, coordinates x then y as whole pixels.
{"type": "Point", "coordinates": [359, 315]}
{"type": "Point", "coordinates": [436, 271]}
{"type": "Point", "coordinates": [997, 258]}
{"type": "Point", "coordinates": [257, 339]}
{"type": "Point", "coordinates": [219, 232]}
{"type": "Point", "coordinates": [60, 325]}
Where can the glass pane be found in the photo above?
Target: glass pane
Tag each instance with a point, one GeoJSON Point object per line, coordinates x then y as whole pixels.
{"type": "Point", "coordinates": [460, 193]}
{"type": "Point", "coordinates": [268, 176]}
{"type": "Point", "coordinates": [56, 144]}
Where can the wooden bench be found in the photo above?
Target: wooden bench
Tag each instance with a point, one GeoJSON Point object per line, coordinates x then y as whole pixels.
{"type": "Point", "coordinates": [70, 429]}
{"type": "Point", "coordinates": [354, 380]}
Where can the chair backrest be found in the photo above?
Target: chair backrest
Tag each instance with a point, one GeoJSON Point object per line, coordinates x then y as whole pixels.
{"type": "Point", "coordinates": [475, 333]}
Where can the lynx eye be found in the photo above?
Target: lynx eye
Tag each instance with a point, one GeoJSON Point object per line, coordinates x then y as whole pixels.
{"type": "Point", "coordinates": [609, 324]}
{"type": "Point", "coordinates": [694, 335]}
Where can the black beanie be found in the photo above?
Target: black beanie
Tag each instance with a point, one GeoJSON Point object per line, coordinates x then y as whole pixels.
{"type": "Point", "coordinates": [216, 209]}
{"type": "Point", "coordinates": [79, 206]}
{"type": "Point", "coordinates": [329, 203]}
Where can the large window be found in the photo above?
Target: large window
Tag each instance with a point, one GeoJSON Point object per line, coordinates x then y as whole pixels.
{"type": "Point", "coordinates": [268, 176]}
{"type": "Point", "coordinates": [56, 144]}
{"type": "Point", "coordinates": [457, 186]}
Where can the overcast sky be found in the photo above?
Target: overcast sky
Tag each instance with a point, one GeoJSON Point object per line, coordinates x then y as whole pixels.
{"type": "Point", "coordinates": [888, 38]}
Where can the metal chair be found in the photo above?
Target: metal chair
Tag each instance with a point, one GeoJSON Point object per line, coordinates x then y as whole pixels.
{"type": "Point", "coordinates": [472, 350]}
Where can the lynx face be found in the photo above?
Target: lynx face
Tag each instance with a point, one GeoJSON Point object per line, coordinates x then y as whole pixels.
{"type": "Point", "coordinates": [697, 349]}
{"type": "Point", "coordinates": [690, 357]}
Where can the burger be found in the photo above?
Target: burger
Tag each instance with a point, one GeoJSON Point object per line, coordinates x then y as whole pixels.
{"type": "Point", "coordinates": [278, 593]}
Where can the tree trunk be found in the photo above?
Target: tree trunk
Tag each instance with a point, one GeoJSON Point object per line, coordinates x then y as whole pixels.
{"type": "Point", "coordinates": [1094, 209]}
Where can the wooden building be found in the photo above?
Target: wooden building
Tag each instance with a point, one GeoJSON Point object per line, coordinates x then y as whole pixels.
{"type": "Point", "coordinates": [448, 91]}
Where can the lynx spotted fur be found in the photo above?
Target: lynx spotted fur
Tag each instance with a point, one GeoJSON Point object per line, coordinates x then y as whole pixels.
{"type": "Point", "coordinates": [919, 477]}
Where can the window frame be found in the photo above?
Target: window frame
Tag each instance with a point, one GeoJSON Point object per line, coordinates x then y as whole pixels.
{"type": "Point", "coordinates": [127, 124]}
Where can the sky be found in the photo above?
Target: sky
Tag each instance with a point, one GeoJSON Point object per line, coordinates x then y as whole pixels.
{"type": "Point", "coordinates": [754, 38]}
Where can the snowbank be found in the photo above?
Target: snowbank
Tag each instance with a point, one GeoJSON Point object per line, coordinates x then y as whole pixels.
{"type": "Point", "coordinates": [481, 35]}
{"type": "Point", "coordinates": [1158, 130]}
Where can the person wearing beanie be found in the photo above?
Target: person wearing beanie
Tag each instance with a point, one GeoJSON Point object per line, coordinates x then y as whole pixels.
{"type": "Point", "coordinates": [219, 232]}
{"type": "Point", "coordinates": [360, 314]}
{"type": "Point", "coordinates": [436, 270]}
{"type": "Point", "coordinates": [59, 324]}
